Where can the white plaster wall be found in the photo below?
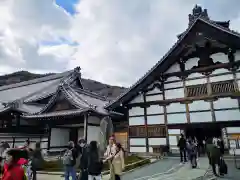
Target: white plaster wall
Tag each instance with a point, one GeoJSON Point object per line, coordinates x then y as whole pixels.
{"type": "Point", "coordinates": [238, 75]}
{"type": "Point", "coordinates": [93, 133]}
{"type": "Point", "coordinates": [232, 130]}
{"type": "Point", "coordinates": [195, 75]}
{"type": "Point", "coordinates": [176, 107]}
{"type": "Point", "coordinates": [220, 71]}
{"type": "Point", "coordinates": [80, 133]}
{"type": "Point", "coordinates": [136, 111]}
{"type": "Point", "coordinates": [227, 115]}
{"type": "Point", "coordinates": [174, 68]}
{"type": "Point", "coordinates": [137, 99]}
{"type": "Point", "coordinates": [196, 81]}
{"type": "Point", "coordinates": [191, 62]}
{"type": "Point", "coordinates": [157, 97]}
{"type": "Point", "coordinates": [174, 131]}
{"type": "Point", "coordinates": [219, 57]}
{"type": "Point", "coordinates": [222, 103]}
{"type": "Point", "coordinates": [158, 119]}
{"type": "Point", "coordinates": [154, 91]}
{"type": "Point", "coordinates": [221, 78]}
{"type": "Point", "coordinates": [237, 55]}
{"type": "Point", "coordinates": [133, 121]}
{"type": "Point", "coordinates": [177, 118]}
{"type": "Point", "coordinates": [59, 137]}
{"type": "Point", "coordinates": [155, 109]}
{"type": "Point", "coordinates": [157, 141]}
{"type": "Point", "coordinates": [94, 120]}
{"type": "Point", "coordinates": [138, 149]}
{"type": "Point", "coordinates": [173, 85]}
{"type": "Point", "coordinates": [174, 93]}
{"type": "Point", "coordinates": [137, 141]}
{"type": "Point", "coordinates": [173, 140]}
{"type": "Point", "coordinates": [196, 117]}
{"type": "Point", "coordinates": [173, 78]}
{"type": "Point", "coordinates": [199, 105]}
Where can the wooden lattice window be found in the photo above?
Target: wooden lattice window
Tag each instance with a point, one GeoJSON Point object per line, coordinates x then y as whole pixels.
{"type": "Point", "coordinates": [196, 90]}
{"type": "Point", "coordinates": [156, 131]}
{"type": "Point", "coordinates": [137, 131]}
{"type": "Point", "coordinates": [223, 87]}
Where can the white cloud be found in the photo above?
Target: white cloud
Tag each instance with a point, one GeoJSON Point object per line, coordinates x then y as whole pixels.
{"type": "Point", "coordinates": [119, 41]}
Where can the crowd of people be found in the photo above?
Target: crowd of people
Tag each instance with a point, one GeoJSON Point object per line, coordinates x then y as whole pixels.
{"type": "Point", "coordinates": [190, 149]}
{"type": "Point", "coordinates": [20, 163]}
{"type": "Point", "coordinates": [81, 155]}
{"type": "Point", "coordinates": [87, 157]}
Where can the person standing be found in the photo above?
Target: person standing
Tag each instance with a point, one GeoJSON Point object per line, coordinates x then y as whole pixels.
{"type": "Point", "coordinates": [69, 161]}
{"type": "Point", "coordinates": [83, 150]}
{"type": "Point", "coordinates": [118, 161]}
{"type": "Point", "coordinates": [215, 155]}
{"type": "Point", "coordinates": [110, 152]}
{"type": "Point", "coordinates": [182, 148]}
{"type": "Point", "coordinates": [192, 153]}
{"type": "Point", "coordinates": [95, 164]}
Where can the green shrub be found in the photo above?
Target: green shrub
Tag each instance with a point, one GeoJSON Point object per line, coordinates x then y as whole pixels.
{"type": "Point", "coordinates": [58, 166]}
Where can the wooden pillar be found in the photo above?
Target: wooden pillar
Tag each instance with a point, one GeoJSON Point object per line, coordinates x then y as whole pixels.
{"type": "Point", "coordinates": [85, 126]}
{"type": "Point", "coordinates": [128, 130]}
{"type": "Point", "coordinates": [165, 117]}
{"type": "Point", "coordinates": [49, 136]}
{"type": "Point", "coordinates": [209, 91]}
{"type": "Point", "coordinates": [186, 104]}
{"type": "Point", "coordinates": [145, 122]}
{"type": "Point", "coordinates": [236, 87]}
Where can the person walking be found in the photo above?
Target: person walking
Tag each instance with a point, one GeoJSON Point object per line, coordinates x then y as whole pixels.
{"type": "Point", "coordinates": [95, 164]}
{"type": "Point", "coordinates": [69, 161]}
{"type": "Point", "coordinates": [182, 148]}
{"type": "Point", "coordinates": [37, 160]}
{"type": "Point", "coordinates": [12, 169]}
{"type": "Point", "coordinates": [192, 152]}
{"type": "Point", "coordinates": [215, 155]}
{"type": "Point", "coordinates": [118, 161]}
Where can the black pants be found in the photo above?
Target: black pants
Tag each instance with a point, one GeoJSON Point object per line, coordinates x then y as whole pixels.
{"type": "Point", "coordinates": [183, 155]}
{"type": "Point", "coordinates": [215, 162]}
{"type": "Point", "coordinates": [34, 175]}
{"type": "Point", "coordinates": [117, 177]}
{"type": "Point", "coordinates": [193, 160]}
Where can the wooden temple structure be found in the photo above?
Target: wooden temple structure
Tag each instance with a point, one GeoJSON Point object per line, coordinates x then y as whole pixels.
{"type": "Point", "coordinates": [193, 89]}
{"type": "Point", "coordinates": [53, 110]}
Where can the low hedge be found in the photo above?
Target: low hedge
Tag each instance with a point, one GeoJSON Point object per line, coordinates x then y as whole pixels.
{"type": "Point", "coordinates": [57, 165]}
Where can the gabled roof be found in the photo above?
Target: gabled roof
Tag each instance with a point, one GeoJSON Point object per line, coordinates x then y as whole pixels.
{"type": "Point", "coordinates": [219, 32]}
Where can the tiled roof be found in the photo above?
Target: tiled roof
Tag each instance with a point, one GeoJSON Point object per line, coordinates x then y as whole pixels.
{"type": "Point", "coordinates": [159, 63]}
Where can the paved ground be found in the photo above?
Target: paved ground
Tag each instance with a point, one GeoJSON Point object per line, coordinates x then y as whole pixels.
{"type": "Point", "coordinates": [233, 172]}
{"type": "Point", "coordinates": [157, 167]}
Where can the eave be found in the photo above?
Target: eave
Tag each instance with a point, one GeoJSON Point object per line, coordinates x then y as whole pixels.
{"type": "Point", "coordinates": [211, 29]}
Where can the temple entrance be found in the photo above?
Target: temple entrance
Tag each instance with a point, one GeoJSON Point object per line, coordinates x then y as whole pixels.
{"type": "Point", "coordinates": [203, 131]}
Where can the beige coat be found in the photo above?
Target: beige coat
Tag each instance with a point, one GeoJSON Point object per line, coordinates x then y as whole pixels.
{"type": "Point", "coordinates": [118, 163]}
{"type": "Point", "coordinates": [111, 150]}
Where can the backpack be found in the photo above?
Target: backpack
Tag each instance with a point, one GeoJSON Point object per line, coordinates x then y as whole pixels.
{"type": "Point", "coordinates": [68, 158]}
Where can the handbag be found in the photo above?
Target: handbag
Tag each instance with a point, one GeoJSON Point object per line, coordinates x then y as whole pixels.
{"type": "Point", "coordinates": [223, 169]}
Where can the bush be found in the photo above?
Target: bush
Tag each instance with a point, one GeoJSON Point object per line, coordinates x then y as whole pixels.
{"type": "Point", "coordinates": [57, 165]}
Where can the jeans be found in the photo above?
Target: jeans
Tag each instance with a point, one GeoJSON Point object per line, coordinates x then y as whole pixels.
{"type": "Point", "coordinates": [117, 177]}
{"type": "Point", "coordinates": [183, 155]}
{"type": "Point", "coordinates": [70, 171]}
{"type": "Point", "coordinates": [91, 177]}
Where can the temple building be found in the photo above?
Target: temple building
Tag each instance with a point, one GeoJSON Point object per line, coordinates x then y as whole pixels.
{"type": "Point", "coordinates": [193, 89]}
{"type": "Point", "coordinates": [53, 110]}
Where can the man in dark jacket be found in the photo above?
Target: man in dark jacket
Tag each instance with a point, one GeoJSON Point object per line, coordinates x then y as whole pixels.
{"type": "Point", "coordinates": [182, 148]}
{"type": "Point", "coordinates": [83, 148]}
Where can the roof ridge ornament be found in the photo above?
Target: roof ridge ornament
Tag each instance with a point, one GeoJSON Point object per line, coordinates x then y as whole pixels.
{"type": "Point", "coordinates": [196, 13]}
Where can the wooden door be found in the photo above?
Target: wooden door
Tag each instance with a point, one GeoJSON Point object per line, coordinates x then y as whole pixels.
{"type": "Point", "coordinates": [122, 138]}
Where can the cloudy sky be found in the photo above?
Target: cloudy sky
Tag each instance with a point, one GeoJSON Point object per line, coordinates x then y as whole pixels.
{"type": "Point", "coordinates": [114, 41]}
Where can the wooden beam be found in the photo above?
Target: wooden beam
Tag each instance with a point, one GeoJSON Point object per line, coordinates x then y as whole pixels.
{"type": "Point", "coordinates": [85, 126]}
{"type": "Point", "coordinates": [145, 122]}
{"type": "Point", "coordinates": [209, 91]}
{"type": "Point", "coordinates": [186, 104]}
{"type": "Point", "coordinates": [236, 86]}
{"type": "Point", "coordinates": [165, 118]}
